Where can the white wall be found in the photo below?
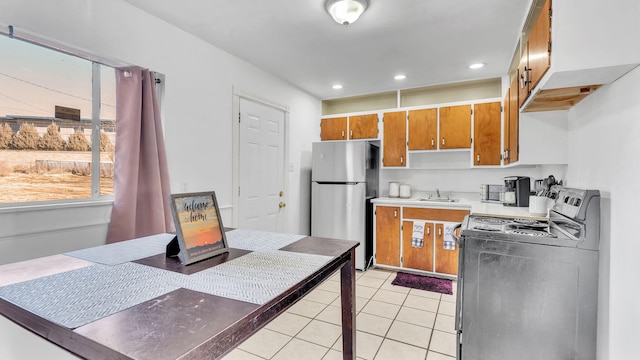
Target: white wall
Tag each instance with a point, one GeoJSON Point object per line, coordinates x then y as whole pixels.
{"type": "Point", "coordinates": [604, 150]}
{"type": "Point", "coordinates": [198, 101]}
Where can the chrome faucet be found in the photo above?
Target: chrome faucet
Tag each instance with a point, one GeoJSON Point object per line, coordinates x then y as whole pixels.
{"type": "Point", "coordinates": [438, 193]}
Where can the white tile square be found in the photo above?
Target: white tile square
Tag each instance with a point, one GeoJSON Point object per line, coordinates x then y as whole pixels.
{"type": "Point", "coordinates": [360, 303]}
{"type": "Point", "coordinates": [288, 323]}
{"type": "Point", "coordinates": [410, 334]}
{"type": "Point", "coordinates": [321, 333]}
{"type": "Point", "coordinates": [378, 274]}
{"type": "Point", "coordinates": [237, 354]}
{"type": "Point", "coordinates": [296, 347]}
{"type": "Point", "coordinates": [447, 308]}
{"type": "Point", "coordinates": [445, 323]}
{"type": "Point", "coordinates": [444, 343]}
{"type": "Point", "coordinates": [437, 356]}
{"type": "Point", "coordinates": [366, 345]}
{"type": "Point", "coordinates": [390, 287]}
{"type": "Point", "coordinates": [383, 309]}
{"type": "Point", "coordinates": [370, 281]}
{"type": "Point", "coordinates": [372, 324]}
{"type": "Point", "coordinates": [331, 314]}
{"type": "Point", "coordinates": [265, 343]}
{"type": "Point", "coordinates": [393, 350]}
{"type": "Point", "coordinates": [365, 291]}
{"type": "Point", "coordinates": [425, 293]}
{"type": "Point", "coordinates": [417, 317]}
{"type": "Point", "coordinates": [321, 296]}
{"type": "Point", "coordinates": [330, 285]}
{"type": "Point", "coordinates": [422, 303]}
{"type": "Point", "coordinates": [388, 296]}
{"type": "Point", "coordinates": [306, 308]}
{"type": "Point", "coordinates": [449, 298]}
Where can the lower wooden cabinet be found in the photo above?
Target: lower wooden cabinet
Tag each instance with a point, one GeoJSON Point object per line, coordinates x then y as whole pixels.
{"type": "Point", "coordinates": [393, 243]}
{"type": "Point", "coordinates": [388, 235]}
{"type": "Point", "coordinates": [420, 258]}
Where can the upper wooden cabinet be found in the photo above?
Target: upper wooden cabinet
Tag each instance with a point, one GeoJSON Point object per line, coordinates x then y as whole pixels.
{"type": "Point", "coordinates": [486, 130]}
{"type": "Point", "coordinates": [511, 124]}
{"type": "Point", "coordinates": [333, 128]}
{"type": "Point", "coordinates": [539, 54]}
{"type": "Point", "coordinates": [455, 127]}
{"type": "Point", "coordinates": [363, 126]}
{"type": "Point", "coordinates": [423, 129]}
{"type": "Point", "coordinates": [394, 143]}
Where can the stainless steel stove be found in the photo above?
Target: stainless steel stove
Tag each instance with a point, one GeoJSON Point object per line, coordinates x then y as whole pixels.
{"type": "Point", "coordinates": [527, 288]}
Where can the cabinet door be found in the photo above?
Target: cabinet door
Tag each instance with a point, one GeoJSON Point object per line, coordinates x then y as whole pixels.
{"type": "Point", "coordinates": [505, 128]}
{"type": "Point", "coordinates": [446, 260]}
{"type": "Point", "coordinates": [333, 129]}
{"type": "Point", "coordinates": [417, 257]}
{"type": "Point", "coordinates": [395, 139]}
{"type": "Point", "coordinates": [540, 45]}
{"type": "Point", "coordinates": [486, 130]}
{"type": "Point", "coordinates": [523, 76]}
{"type": "Point", "coordinates": [423, 129]}
{"type": "Point", "coordinates": [455, 127]}
{"type": "Point", "coordinates": [514, 123]}
{"type": "Point", "coordinates": [388, 235]}
{"type": "Point", "coordinates": [363, 126]}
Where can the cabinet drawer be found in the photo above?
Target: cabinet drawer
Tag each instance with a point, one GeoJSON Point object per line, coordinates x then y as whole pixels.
{"type": "Point", "coordinates": [434, 214]}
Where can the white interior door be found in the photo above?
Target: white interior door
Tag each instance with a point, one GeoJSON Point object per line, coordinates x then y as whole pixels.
{"type": "Point", "coordinates": [261, 167]}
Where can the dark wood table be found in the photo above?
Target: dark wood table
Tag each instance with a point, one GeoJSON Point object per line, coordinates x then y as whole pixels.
{"type": "Point", "coordinates": [188, 324]}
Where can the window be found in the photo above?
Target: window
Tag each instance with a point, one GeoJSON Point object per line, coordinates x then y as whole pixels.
{"type": "Point", "coordinates": [50, 104]}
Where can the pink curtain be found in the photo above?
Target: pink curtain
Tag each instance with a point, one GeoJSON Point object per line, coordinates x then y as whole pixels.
{"type": "Point", "coordinates": [141, 180]}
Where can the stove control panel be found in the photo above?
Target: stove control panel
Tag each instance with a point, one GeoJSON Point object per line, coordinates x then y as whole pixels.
{"type": "Point", "coordinates": [573, 203]}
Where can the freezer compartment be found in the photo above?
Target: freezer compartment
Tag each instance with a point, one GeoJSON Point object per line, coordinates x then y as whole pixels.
{"type": "Point", "coordinates": [340, 161]}
{"type": "Point", "coordinates": [339, 211]}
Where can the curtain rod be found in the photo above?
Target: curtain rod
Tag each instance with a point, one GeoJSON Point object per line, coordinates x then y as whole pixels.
{"type": "Point", "coordinates": [42, 41]}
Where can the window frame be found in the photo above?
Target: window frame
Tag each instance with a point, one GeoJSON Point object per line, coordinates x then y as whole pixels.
{"type": "Point", "coordinates": [96, 64]}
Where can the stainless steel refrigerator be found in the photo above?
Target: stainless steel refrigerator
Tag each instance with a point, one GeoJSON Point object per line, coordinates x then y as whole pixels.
{"type": "Point", "coordinates": [344, 179]}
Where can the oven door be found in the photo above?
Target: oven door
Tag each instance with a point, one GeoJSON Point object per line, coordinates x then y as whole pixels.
{"type": "Point", "coordinates": [526, 301]}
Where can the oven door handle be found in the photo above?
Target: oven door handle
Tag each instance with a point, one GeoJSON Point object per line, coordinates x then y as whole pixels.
{"type": "Point", "coordinates": [460, 292]}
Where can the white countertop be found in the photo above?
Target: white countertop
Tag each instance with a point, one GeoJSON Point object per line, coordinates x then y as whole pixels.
{"type": "Point", "coordinates": [475, 206]}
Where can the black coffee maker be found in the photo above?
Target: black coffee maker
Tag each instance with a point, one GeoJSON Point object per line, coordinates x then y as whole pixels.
{"type": "Point", "coordinates": [516, 191]}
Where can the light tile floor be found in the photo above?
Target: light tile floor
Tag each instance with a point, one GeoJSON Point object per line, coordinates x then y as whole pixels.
{"type": "Point", "coordinates": [392, 322]}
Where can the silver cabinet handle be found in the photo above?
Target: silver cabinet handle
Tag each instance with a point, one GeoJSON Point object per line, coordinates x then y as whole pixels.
{"type": "Point", "coordinates": [402, 160]}
{"type": "Point", "coordinates": [442, 141]}
{"type": "Point", "coordinates": [350, 133]}
{"type": "Point", "coordinates": [343, 134]}
{"type": "Point", "coordinates": [439, 231]}
{"type": "Point", "coordinates": [428, 231]}
{"type": "Point", "coordinates": [395, 213]}
{"type": "Point", "coordinates": [478, 158]}
{"type": "Point", "coordinates": [433, 142]}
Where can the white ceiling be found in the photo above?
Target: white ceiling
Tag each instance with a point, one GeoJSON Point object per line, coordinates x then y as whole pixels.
{"type": "Point", "coordinates": [431, 41]}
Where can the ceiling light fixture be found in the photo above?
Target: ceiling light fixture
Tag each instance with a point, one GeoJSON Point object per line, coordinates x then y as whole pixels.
{"type": "Point", "coordinates": [477, 66]}
{"type": "Point", "coordinates": [346, 12]}
{"type": "Point", "coordinates": [400, 77]}
{"type": "Point", "coordinates": [337, 86]}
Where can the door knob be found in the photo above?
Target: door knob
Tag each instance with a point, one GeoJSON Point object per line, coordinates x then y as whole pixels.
{"type": "Point", "coordinates": [282, 204]}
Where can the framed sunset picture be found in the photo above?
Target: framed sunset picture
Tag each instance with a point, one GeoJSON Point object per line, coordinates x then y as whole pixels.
{"type": "Point", "coordinates": [199, 228]}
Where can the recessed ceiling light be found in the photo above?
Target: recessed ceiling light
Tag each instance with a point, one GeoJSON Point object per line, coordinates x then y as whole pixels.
{"type": "Point", "coordinates": [337, 86]}
{"type": "Point", "coordinates": [477, 66]}
{"type": "Point", "coordinates": [400, 77]}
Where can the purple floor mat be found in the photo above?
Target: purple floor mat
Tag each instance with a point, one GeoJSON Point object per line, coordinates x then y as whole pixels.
{"type": "Point", "coordinates": [421, 282]}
